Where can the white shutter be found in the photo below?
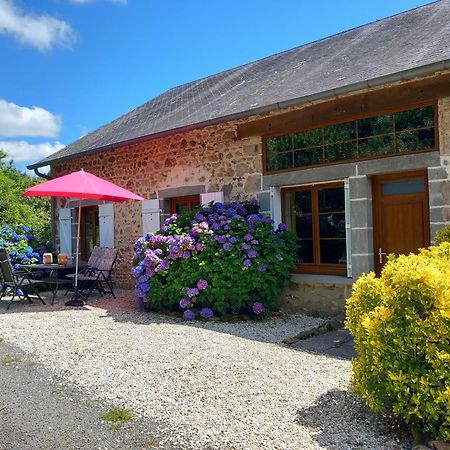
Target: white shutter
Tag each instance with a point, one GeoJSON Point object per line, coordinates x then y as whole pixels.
{"type": "Point", "coordinates": [348, 230]}
{"type": "Point", "coordinates": [216, 197]}
{"type": "Point", "coordinates": [275, 206]}
{"type": "Point", "coordinates": [106, 222]}
{"type": "Point", "coordinates": [65, 231]}
{"type": "Point", "coordinates": [151, 216]}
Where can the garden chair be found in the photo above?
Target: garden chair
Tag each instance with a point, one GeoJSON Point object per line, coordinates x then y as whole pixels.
{"type": "Point", "coordinates": [97, 277]}
{"type": "Point", "coordinates": [16, 283]}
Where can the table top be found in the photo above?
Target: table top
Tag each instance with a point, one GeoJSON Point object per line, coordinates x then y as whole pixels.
{"type": "Point", "coordinates": [49, 266]}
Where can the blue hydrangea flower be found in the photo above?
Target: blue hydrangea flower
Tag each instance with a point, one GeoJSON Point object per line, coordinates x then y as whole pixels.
{"type": "Point", "coordinates": [206, 313]}
{"type": "Point", "coordinates": [247, 263]}
{"type": "Point", "coordinates": [189, 315]}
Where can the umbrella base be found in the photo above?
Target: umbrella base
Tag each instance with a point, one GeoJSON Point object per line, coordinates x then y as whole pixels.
{"type": "Point", "coordinates": [75, 302]}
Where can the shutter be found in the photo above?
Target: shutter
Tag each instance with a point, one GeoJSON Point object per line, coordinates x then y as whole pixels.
{"type": "Point", "coordinates": [348, 230]}
{"type": "Point", "coordinates": [216, 197]}
{"type": "Point", "coordinates": [65, 231]}
{"type": "Point", "coordinates": [106, 223]}
{"type": "Point", "coordinates": [275, 206]}
{"type": "Point", "coordinates": [151, 216]}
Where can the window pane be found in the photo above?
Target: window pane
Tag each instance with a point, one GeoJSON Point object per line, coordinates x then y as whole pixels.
{"type": "Point", "coordinates": [308, 157]}
{"type": "Point", "coordinates": [375, 125]}
{"type": "Point", "coordinates": [415, 118]}
{"type": "Point", "coordinates": [415, 140]}
{"type": "Point", "coordinates": [279, 161]}
{"type": "Point", "coordinates": [333, 251]}
{"type": "Point", "coordinates": [279, 144]}
{"type": "Point", "coordinates": [403, 187]}
{"type": "Point", "coordinates": [341, 132]}
{"type": "Point", "coordinates": [304, 226]}
{"type": "Point", "coordinates": [310, 138]}
{"type": "Point", "coordinates": [337, 152]}
{"type": "Point", "coordinates": [376, 146]}
{"type": "Point", "coordinates": [305, 253]}
{"type": "Point", "coordinates": [303, 202]}
{"type": "Point", "coordinates": [332, 225]}
{"type": "Point", "coordinates": [331, 199]}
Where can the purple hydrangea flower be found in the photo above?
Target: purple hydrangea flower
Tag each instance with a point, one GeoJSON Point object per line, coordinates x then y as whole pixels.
{"type": "Point", "coordinates": [233, 239]}
{"type": "Point", "coordinates": [137, 270]}
{"type": "Point", "coordinates": [247, 263]}
{"type": "Point", "coordinates": [252, 254]}
{"type": "Point", "coordinates": [200, 246]}
{"type": "Point", "coordinates": [220, 239]}
{"type": "Point", "coordinates": [246, 246]}
{"type": "Point", "coordinates": [189, 315]}
{"type": "Point", "coordinates": [185, 303]}
{"type": "Point", "coordinates": [206, 313]}
{"type": "Point", "coordinates": [262, 268]}
{"type": "Point", "coordinates": [282, 227]}
{"type": "Point", "coordinates": [248, 237]}
{"type": "Point", "coordinates": [204, 225]}
{"type": "Point", "coordinates": [253, 202]}
{"type": "Point", "coordinates": [202, 284]}
{"type": "Point", "coordinates": [254, 242]}
{"type": "Point", "coordinates": [186, 254]}
{"type": "Point", "coordinates": [192, 292]}
{"type": "Point", "coordinates": [258, 308]}
{"type": "Point", "coordinates": [227, 245]}
{"type": "Point", "coordinates": [163, 265]}
{"type": "Point", "coordinates": [197, 230]}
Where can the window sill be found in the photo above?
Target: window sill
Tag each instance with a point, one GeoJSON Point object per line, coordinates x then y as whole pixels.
{"type": "Point", "coordinates": [325, 279]}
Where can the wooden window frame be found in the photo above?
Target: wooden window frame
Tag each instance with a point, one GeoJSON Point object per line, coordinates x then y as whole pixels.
{"type": "Point", "coordinates": [187, 199]}
{"type": "Point", "coordinates": [83, 244]}
{"type": "Point", "coordinates": [351, 118]}
{"type": "Point", "coordinates": [314, 268]}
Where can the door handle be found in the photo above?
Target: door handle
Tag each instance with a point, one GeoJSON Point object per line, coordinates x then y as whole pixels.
{"type": "Point", "coordinates": [381, 254]}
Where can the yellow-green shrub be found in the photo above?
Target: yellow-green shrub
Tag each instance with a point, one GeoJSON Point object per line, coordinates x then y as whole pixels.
{"type": "Point", "coordinates": [443, 235]}
{"type": "Point", "coordinates": [401, 326]}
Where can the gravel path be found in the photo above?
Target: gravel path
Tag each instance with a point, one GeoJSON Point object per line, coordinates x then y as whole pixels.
{"type": "Point", "coordinates": [227, 386]}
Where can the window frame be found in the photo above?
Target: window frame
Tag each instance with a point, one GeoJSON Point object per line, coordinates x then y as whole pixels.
{"type": "Point", "coordinates": [316, 267]}
{"type": "Point", "coordinates": [351, 118]}
{"type": "Point", "coordinates": [187, 200]}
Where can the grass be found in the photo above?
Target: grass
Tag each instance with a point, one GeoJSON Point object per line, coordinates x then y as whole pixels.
{"type": "Point", "coordinates": [118, 414]}
{"type": "Point", "coordinates": [10, 361]}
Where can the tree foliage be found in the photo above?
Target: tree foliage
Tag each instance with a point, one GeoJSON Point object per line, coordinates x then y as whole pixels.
{"type": "Point", "coordinates": [15, 209]}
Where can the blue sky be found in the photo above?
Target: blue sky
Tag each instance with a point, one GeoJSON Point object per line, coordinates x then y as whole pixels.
{"type": "Point", "coordinates": [69, 66]}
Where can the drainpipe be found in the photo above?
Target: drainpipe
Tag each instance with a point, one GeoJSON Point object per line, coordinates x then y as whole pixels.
{"type": "Point", "coordinates": [52, 207]}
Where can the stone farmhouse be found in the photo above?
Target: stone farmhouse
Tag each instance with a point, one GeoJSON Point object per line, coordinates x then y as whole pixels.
{"type": "Point", "coordinates": [346, 140]}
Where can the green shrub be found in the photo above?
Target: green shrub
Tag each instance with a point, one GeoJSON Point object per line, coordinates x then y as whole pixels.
{"type": "Point", "coordinates": [443, 235]}
{"type": "Point", "coordinates": [401, 326]}
{"type": "Point", "coordinates": [220, 259]}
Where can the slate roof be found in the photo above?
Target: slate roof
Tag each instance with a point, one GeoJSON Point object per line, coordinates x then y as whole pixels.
{"type": "Point", "coordinates": [406, 41]}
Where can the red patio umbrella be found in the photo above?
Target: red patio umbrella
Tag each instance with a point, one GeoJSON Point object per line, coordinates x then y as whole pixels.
{"type": "Point", "coordinates": [81, 185]}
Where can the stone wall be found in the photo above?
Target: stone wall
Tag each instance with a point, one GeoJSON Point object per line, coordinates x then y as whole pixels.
{"type": "Point", "coordinates": [211, 157]}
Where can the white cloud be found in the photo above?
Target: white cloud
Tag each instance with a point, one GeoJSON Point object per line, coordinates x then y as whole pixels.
{"type": "Point", "coordinates": [22, 151]}
{"type": "Point", "coordinates": [20, 121]}
{"type": "Point", "coordinates": [42, 32]}
{"type": "Point", "coordinates": [82, 2]}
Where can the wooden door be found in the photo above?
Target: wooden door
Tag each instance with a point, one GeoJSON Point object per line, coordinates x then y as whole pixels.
{"type": "Point", "coordinates": [180, 204]}
{"type": "Point", "coordinates": [89, 231]}
{"type": "Point", "coordinates": [401, 215]}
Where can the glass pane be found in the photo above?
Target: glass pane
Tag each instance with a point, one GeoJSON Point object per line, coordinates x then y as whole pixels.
{"type": "Point", "coordinates": [375, 125]}
{"type": "Point", "coordinates": [303, 202]}
{"type": "Point", "coordinates": [415, 118]}
{"type": "Point", "coordinates": [279, 161]}
{"type": "Point", "coordinates": [333, 251]}
{"type": "Point", "coordinates": [279, 144]}
{"type": "Point", "coordinates": [415, 140]}
{"type": "Point", "coordinates": [403, 187]}
{"type": "Point", "coordinates": [337, 152]}
{"type": "Point", "coordinates": [341, 132]}
{"type": "Point", "coordinates": [332, 225]}
{"type": "Point", "coordinates": [304, 226]}
{"type": "Point", "coordinates": [331, 199]}
{"type": "Point", "coordinates": [310, 138]}
{"type": "Point", "coordinates": [376, 146]}
{"type": "Point", "coordinates": [308, 157]}
{"type": "Point", "coordinates": [305, 252]}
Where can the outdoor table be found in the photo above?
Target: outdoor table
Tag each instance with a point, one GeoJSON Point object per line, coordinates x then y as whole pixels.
{"type": "Point", "coordinates": [53, 278]}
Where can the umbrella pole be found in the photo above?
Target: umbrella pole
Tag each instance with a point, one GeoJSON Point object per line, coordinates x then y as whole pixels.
{"type": "Point", "coordinates": [78, 248]}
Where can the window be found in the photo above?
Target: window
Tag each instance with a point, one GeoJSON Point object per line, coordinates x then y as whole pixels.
{"type": "Point", "coordinates": [317, 215]}
{"type": "Point", "coordinates": [90, 231]}
{"type": "Point", "coordinates": [389, 134]}
{"type": "Point", "coordinates": [180, 204]}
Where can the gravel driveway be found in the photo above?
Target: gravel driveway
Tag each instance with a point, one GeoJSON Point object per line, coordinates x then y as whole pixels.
{"type": "Point", "coordinates": [227, 386]}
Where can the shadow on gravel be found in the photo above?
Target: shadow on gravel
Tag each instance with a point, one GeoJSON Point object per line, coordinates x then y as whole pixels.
{"type": "Point", "coordinates": [341, 420]}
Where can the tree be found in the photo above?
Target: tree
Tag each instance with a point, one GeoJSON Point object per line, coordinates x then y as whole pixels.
{"type": "Point", "coordinates": [15, 209]}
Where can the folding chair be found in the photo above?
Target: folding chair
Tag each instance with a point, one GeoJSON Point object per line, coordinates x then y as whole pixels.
{"type": "Point", "coordinates": [16, 284]}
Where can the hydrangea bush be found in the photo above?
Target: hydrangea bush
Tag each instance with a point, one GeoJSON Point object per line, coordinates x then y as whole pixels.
{"type": "Point", "coordinates": [219, 259]}
{"type": "Point", "coordinates": [21, 244]}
